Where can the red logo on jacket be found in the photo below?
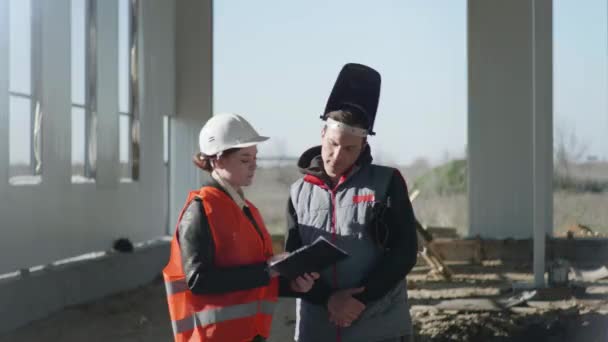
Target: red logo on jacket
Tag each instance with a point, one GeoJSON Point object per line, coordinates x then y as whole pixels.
{"type": "Point", "coordinates": [364, 198]}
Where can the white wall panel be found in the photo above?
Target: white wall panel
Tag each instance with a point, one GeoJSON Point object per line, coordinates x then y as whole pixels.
{"type": "Point", "coordinates": [57, 219]}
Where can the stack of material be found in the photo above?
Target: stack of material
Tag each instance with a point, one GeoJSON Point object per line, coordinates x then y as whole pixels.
{"type": "Point", "coordinates": [439, 270]}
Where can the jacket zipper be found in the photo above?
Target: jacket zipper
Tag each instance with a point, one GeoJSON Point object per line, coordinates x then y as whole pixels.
{"type": "Point", "coordinates": [334, 229]}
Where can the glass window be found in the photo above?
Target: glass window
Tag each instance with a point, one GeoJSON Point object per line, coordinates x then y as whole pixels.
{"type": "Point", "coordinates": [24, 112]}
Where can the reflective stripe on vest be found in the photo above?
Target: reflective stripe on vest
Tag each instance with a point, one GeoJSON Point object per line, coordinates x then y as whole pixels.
{"type": "Point", "coordinates": [223, 316]}
{"type": "Point", "coordinates": [216, 315]}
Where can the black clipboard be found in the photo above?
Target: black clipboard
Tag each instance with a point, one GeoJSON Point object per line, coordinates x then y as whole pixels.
{"type": "Point", "coordinates": [310, 258]}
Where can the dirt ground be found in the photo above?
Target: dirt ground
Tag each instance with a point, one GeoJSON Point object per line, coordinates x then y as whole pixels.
{"type": "Point", "coordinates": [582, 317]}
{"type": "Point", "coordinates": [135, 316]}
{"type": "Point", "coordinates": [141, 315]}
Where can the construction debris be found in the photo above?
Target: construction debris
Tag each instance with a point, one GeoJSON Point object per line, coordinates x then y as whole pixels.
{"type": "Point", "coordinates": [485, 304]}
{"type": "Point", "coordinates": [588, 276]}
{"type": "Point", "coordinates": [585, 252]}
{"type": "Point", "coordinates": [469, 305]}
{"type": "Point", "coordinates": [518, 299]}
{"type": "Point", "coordinates": [558, 273]}
{"type": "Point", "coordinates": [443, 232]}
{"type": "Point", "coordinates": [579, 230]}
{"type": "Point", "coordinates": [473, 307]}
{"type": "Point", "coordinates": [438, 268]}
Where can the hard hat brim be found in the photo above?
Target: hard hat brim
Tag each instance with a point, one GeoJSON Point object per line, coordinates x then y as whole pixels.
{"type": "Point", "coordinates": [251, 142]}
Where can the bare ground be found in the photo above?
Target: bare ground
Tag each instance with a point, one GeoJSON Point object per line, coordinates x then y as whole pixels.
{"type": "Point", "coordinates": [138, 315]}
{"type": "Point", "coordinates": [141, 315]}
{"type": "Point", "coordinates": [581, 318]}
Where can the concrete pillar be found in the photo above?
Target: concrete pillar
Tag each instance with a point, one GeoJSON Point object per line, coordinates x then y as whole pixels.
{"type": "Point", "coordinates": [108, 172]}
{"type": "Point", "coordinates": [4, 106]}
{"type": "Point", "coordinates": [157, 90]}
{"type": "Point", "coordinates": [193, 54]}
{"type": "Point", "coordinates": [543, 133]}
{"type": "Point", "coordinates": [510, 120]}
{"type": "Point", "coordinates": [56, 100]}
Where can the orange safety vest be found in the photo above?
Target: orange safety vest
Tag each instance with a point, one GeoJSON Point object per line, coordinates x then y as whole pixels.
{"type": "Point", "coordinates": [236, 316]}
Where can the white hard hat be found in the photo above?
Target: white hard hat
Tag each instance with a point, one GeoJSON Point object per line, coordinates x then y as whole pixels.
{"type": "Point", "coordinates": [225, 131]}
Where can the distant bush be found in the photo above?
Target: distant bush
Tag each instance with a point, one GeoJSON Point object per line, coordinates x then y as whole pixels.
{"type": "Point", "coordinates": [578, 185]}
{"type": "Point", "coordinates": [451, 178]}
{"type": "Point", "coordinates": [447, 179]}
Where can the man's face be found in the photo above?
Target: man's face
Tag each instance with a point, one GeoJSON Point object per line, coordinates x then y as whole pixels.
{"type": "Point", "coordinates": [339, 150]}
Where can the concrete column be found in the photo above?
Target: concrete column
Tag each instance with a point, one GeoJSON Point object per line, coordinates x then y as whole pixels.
{"type": "Point", "coordinates": [4, 107]}
{"type": "Point", "coordinates": [157, 92]}
{"type": "Point", "coordinates": [194, 51]}
{"type": "Point", "coordinates": [56, 93]}
{"type": "Point", "coordinates": [510, 120]}
{"type": "Point", "coordinates": [108, 171]}
{"type": "Point", "coordinates": [543, 133]}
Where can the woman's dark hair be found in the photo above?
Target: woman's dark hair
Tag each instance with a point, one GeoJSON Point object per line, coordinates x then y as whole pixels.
{"type": "Point", "coordinates": [350, 117]}
{"type": "Point", "coordinates": [203, 161]}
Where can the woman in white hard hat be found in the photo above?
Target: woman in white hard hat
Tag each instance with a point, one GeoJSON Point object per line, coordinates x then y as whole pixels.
{"type": "Point", "coordinates": [219, 287]}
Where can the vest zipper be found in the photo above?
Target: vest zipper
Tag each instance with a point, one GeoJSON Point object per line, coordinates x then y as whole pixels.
{"type": "Point", "coordinates": [334, 229]}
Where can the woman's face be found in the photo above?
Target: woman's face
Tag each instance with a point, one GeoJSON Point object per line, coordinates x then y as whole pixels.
{"type": "Point", "coordinates": [238, 168]}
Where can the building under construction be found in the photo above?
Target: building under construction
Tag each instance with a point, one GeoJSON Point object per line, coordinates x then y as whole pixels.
{"type": "Point", "coordinates": [82, 244]}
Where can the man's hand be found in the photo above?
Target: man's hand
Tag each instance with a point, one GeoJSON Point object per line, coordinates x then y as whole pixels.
{"type": "Point", "coordinates": [343, 308]}
{"type": "Point", "coordinates": [304, 282]}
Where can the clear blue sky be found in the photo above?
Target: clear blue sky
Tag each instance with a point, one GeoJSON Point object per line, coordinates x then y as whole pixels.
{"type": "Point", "coordinates": [276, 64]}
{"type": "Point", "coordinates": [580, 72]}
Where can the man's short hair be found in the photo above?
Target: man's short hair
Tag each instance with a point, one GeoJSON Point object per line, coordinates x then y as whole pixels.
{"type": "Point", "coordinates": [350, 117]}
